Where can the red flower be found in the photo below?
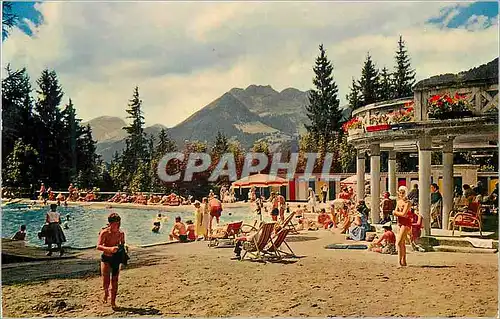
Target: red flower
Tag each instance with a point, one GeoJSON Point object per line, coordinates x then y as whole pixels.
{"type": "Point", "coordinates": [434, 98]}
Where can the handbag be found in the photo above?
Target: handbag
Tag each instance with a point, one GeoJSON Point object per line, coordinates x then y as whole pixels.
{"type": "Point", "coordinates": [43, 231]}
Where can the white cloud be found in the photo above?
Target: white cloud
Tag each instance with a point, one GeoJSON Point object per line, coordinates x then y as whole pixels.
{"type": "Point", "coordinates": [185, 55]}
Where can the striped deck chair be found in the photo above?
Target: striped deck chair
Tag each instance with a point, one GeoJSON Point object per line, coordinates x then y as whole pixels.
{"type": "Point", "coordinates": [278, 241]}
{"type": "Point", "coordinates": [288, 223]}
{"type": "Point", "coordinates": [257, 246]}
{"type": "Point", "coordinates": [230, 232]}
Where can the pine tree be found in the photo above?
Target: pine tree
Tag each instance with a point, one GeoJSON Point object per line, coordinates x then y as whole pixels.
{"type": "Point", "coordinates": [354, 97]}
{"type": "Point", "coordinates": [386, 89]}
{"type": "Point", "coordinates": [262, 146]}
{"type": "Point", "coordinates": [116, 172]}
{"type": "Point", "coordinates": [20, 165]}
{"type": "Point", "coordinates": [17, 110]}
{"type": "Point", "coordinates": [72, 131]}
{"type": "Point", "coordinates": [323, 109]}
{"type": "Point", "coordinates": [369, 82]}
{"type": "Point", "coordinates": [165, 145]}
{"type": "Point", "coordinates": [88, 161]}
{"type": "Point", "coordinates": [136, 143]}
{"type": "Point", "coordinates": [141, 179]}
{"type": "Point", "coordinates": [238, 152]}
{"type": "Point", "coordinates": [9, 19]}
{"type": "Point", "coordinates": [151, 140]}
{"type": "Point", "coordinates": [220, 146]}
{"type": "Point", "coordinates": [49, 128]}
{"type": "Point", "coordinates": [404, 75]}
{"type": "Point", "coordinates": [347, 156]}
{"type": "Point", "coordinates": [136, 136]}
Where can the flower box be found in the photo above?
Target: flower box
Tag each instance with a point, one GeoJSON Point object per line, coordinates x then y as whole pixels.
{"type": "Point", "coordinates": [353, 124]}
{"type": "Point", "coordinates": [379, 127]}
{"type": "Point", "coordinates": [446, 107]}
{"type": "Point", "coordinates": [452, 115]}
{"type": "Point", "coordinates": [355, 131]}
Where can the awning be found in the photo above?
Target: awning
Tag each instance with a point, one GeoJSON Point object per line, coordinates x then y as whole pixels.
{"type": "Point", "coordinates": [260, 180]}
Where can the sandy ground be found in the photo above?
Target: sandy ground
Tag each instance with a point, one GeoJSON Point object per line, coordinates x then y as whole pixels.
{"type": "Point", "coordinates": [194, 280]}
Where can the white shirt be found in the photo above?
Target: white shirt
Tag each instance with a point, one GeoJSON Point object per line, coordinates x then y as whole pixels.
{"type": "Point", "coordinates": [53, 217]}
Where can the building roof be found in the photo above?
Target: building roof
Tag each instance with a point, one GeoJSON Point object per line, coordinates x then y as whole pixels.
{"type": "Point", "coordinates": [486, 73]}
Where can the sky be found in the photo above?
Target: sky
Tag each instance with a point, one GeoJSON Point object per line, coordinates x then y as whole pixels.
{"type": "Point", "coordinates": [184, 55]}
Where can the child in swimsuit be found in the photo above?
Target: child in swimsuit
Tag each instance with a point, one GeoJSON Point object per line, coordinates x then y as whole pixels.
{"type": "Point", "coordinates": [112, 243]}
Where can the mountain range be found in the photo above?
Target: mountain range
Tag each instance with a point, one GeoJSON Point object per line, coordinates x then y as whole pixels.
{"type": "Point", "coordinates": [246, 115]}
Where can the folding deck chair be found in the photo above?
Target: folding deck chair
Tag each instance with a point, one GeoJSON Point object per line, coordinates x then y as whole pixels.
{"type": "Point", "coordinates": [257, 246]}
{"type": "Point", "coordinates": [229, 232]}
{"type": "Point", "coordinates": [288, 223]}
{"type": "Point", "coordinates": [278, 241]}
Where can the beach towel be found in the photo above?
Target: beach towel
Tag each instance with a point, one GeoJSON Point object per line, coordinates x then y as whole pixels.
{"type": "Point", "coordinates": [480, 243]}
{"type": "Point", "coordinates": [346, 246]}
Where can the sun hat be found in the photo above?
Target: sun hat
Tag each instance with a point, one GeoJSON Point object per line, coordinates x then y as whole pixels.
{"type": "Point", "coordinates": [196, 202]}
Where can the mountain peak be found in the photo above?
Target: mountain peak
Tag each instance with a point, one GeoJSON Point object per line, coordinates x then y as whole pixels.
{"type": "Point", "coordinates": [260, 90]}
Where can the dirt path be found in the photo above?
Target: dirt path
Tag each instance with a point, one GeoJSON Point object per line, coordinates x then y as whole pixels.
{"type": "Point", "coordinates": [193, 280]}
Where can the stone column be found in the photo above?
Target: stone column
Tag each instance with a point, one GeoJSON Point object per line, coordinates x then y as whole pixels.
{"type": "Point", "coordinates": [360, 175]}
{"type": "Point", "coordinates": [392, 173]}
{"type": "Point", "coordinates": [375, 183]}
{"type": "Point", "coordinates": [424, 180]}
{"type": "Point", "coordinates": [447, 185]}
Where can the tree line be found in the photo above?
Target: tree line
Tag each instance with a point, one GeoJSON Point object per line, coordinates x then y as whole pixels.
{"type": "Point", "coordinates": [376, 85]}
{"type": "Point", "coordinates": [325, 132]}
{"type": "Point", "coordinates": [43, 140]}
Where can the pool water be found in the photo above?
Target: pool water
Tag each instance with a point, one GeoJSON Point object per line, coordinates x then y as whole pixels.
{"type": "Point", "coordinates": [85, 223]}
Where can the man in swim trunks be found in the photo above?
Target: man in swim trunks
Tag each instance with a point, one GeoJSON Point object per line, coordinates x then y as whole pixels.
{"type": "Point", "coordinates": [179, 231]}
{"type": "Point", "coordinates": [215, 211]}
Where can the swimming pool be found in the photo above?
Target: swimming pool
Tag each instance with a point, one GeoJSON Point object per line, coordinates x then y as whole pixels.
{"type": "Point", "coordinates": [85, 223]}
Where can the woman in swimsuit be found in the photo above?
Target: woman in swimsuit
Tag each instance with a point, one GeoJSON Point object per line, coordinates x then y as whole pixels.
{"type": "Point", "coordinates": [401, 212]}
{"type": "Point", "coordinates": [111, 240]}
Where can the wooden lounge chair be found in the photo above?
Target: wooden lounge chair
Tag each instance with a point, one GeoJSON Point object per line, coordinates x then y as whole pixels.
{"type": "Point", "coordinates": [256, 247]}
{"type": "Point", "coordinates": [471, 218]}
{"type": "Point", "coordinates": [229, 232]}
{"type": "Point", "coordinates": [288, 223]}
{"type": "Point", "coordinates": [278, 241]}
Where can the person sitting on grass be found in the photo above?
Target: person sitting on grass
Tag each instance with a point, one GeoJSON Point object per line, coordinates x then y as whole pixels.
{"type": "Point", "coordinates": [21, 234]}
{"type": "Point", "coordinates": [191, 234]}
{"type": "Point", "coordinates": [179, 231]}
{"type": "Point", "coordinates": [386, 244]}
